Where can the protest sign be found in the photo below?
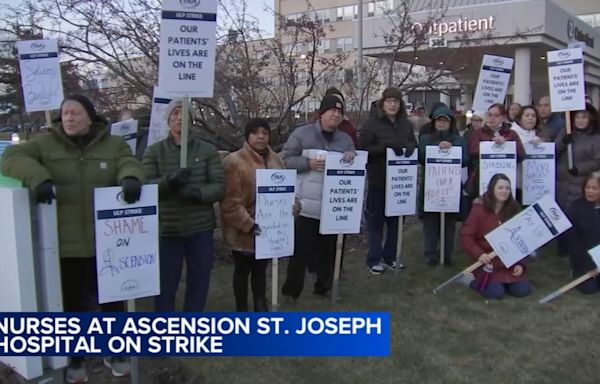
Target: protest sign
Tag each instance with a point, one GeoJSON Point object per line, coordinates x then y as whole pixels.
{"type": "Point", "coordinates": [128, 130]}
{"type": "Point", "coordinates": [539, 169]}
{"type": "Point", "coordinates": [127, 256]}
{"type": "Point", "coordinates": [565, 76]}
{"type": "Point", "coordinates": [343, 193]}
{"type": "Point", "coordinates": [401, 184]}
{"type": "Point", "coordinates": [595, 253]}
{"type": "Point", "coordinates": [40, 74]}
{"type": "Point", "coordinates": [442, 188]}
{"type": "Point", "coordinates": [187, 47]}
{"type": "Point", "coordinates": [497, 158]}
{"type": "Point", "coordinates": [527, 231]}
{"type": "Point", "coordinates": [493, 81]}
{"type": "Point", "coordinates": [159, 129]}
{"type": "Point", "coordinates": [274, 214]}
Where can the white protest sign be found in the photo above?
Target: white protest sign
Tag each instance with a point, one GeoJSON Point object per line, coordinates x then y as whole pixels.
{"type": "Point", "coordinates": [128, 130]}
{"type": "Point", "coordinates": [127, 257]}
{"type": "Point", "coordinates": [595, 253]}
{"type": "Point", "coordinates": [159, 129]}
{"type": "Point", "coordinates": [539, 172]}
{"type": "Point", "coordinates": [565, 76]}
{"type": "Point", "coordinates": [274, 212]}
{"type": "Point", "coordinates": [401, 184]}
{"type": "Point", "coordinates": [527, 231]}
{"type": "Point", "coordinates": [493, 81]}
{"type": "Point", "coordinates": [497, 158]}
{"type": "Point", "coordinates": [40, 74]}
{"type": "Point", "coordinates": [442, 187]}
{"type": "Point", "coordinates": [187, 47]}
{"type": "Point", "coordinates": [343, 193]}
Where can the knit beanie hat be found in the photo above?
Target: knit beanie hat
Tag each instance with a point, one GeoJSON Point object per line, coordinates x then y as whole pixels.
{"type": "Point", "coordinates": [331, 102]}
{"type": "Point", "coordinates": [86, 104]}
{"type": "Point", "coordinates": [391, 93]}
{"type": "Point", "coordinates": [174, 103]}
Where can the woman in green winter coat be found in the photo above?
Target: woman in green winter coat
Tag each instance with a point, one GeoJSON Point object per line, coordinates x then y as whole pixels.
{"type": "Point", "coordinates": [444, 136]}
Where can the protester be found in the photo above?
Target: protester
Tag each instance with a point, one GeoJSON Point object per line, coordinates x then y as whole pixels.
{"type": "Point", "coordinates": [527, 126]}
{"type": "Point", "coordinates": [427, 128]}
{"type": "Point", "coordinates": [346, 125]}
{"type": "Point", "coordinates": [495, 207]}
{"type": "Point", "coordinates": [187, 217]}
{"type": "Point", "coordinates": [304, 151]}
{"type": "Point", "coordinates": [585, 139]}
{"type": "Point", "coordinates": [475, 123]}
{"type": "Point", "coordinates": [584, 214]}
{"type": "Point", "coordinates": [66, 164]}
{"type": "Point", "coordinates": [497, 130]}
{"type": "Point", "coordinates": [513, 111]}
{"type": "Point", "coordinates": [237, 212]}
{"type": "Point", "coordinates": [389, 129]}
{"type": "Point", "coordinates": [419, 119]}
{"type": "Point", "coordinates": [445, 137]}
{"type": "Point", "coordinates": [552, 123]}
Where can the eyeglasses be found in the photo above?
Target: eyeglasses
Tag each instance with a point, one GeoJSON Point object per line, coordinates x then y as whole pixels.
{"type": "Point", "coordinates": [391, 101]}
{"type": "Point", "coordinates": [494, 115]}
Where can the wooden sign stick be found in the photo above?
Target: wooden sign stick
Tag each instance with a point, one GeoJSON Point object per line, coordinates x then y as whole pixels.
{"type": "Point", "coordinates": [570, 145]}
{"type": "Point", "coordinates": [569, 286]}
{"type": "Point", "coordinates": [336, 272]}
{"type": "Point", "coordinates": [458, 275]}
{"type": "Point", "coordinates": [399, 243]}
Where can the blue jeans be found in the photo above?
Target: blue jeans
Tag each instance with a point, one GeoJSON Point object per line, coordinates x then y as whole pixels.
{"type": "Point", "coordinates": [496, 291]}
{"type": "Point", "coordinates": [431, 235]}
{"type": "Point", "coordinates": [197, 250]}
{"type": "Point", "coordinates": [376, 219]}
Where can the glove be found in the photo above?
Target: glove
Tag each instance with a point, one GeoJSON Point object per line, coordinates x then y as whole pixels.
{"type": "Point", "coordinates": [574, 171]}
{"type": "Point", "coordinates": [44, 193]}
{"type": "Point", "coordinates": [191, 193]}
{"type": "Point", "coordinates": [398, 149]}
{"type": "Point", "coordinates": [256, 231]}
{"type": "Point", "coordinates": [132, 189]}
{"type": "Point", "coordinates": [567, 139]}
{"type": "Point", "coordinates": [410, 149]}
{"type": "Point", "coordinates": [178, 178]}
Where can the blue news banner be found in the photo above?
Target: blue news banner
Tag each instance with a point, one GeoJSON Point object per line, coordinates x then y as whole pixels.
{"type": "Point", "coordinates": [195, 334]}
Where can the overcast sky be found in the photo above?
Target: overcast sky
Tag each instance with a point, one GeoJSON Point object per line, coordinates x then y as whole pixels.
{"type": "Point", "coordinates": [255, 8]}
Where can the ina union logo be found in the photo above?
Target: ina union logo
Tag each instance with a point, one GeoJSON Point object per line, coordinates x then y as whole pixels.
{"type": "Point", "coordinates": [278, 178]}
{"type": "Point", "coordinates": [498, 147]}
{"type": "Point", "coordinates": [554, 214]}
{"type": "Point", "coordinates": [564, 54]}
{"type": "Point", "coordinates": [498, 61]}
{"type": "Point", "coordinates": [37, 46]}
{"type": "Point", "coordinates": [346, 163]}
{"type": "Point", "coordinates": [189, 3]}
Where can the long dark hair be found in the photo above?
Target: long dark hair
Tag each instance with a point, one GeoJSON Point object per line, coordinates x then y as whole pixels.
{"type": "Point", "coordinates": [538, 126]}
{"type": "Point", "coordinates": [593, 127]}
{"type": "Point", "coordinates": [591, 176]}
{"type": "Point", "coordinates": [510, 208]}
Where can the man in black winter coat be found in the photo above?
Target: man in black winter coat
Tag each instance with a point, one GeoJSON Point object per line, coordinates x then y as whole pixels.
{"type": "Point", "coordinates": [389, 128]}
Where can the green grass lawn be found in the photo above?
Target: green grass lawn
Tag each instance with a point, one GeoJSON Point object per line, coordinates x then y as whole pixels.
{"type": "Point", "coordinates": [453, 337]}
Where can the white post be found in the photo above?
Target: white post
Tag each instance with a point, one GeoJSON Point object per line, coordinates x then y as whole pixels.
{"type": "Point", "coordinates": [522, 80]}
{"type": "Point", "coordinates": [135, 372]}
{"type": "Point", "coordinates": [185, 124]}
{"type": "Point", "coordinates": [445, 98]}
{"type": "Point", "coordinates": [274, 284]}
{"type": "Point", "coordinates": [361, 91]}
{"type": "Point", "coordinates": [595, 96]}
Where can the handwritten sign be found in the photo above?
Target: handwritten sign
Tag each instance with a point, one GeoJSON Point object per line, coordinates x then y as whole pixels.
{"type": "Point", "coordinates": [128, 130]}
{"type": "Point", "coordinates": [493, 81]}
{"type": "Point", "coordinates": [343, 193]}
{"type": "Point", "coordinates": [595, 253]}
{"type": "Point", "coordinates": [159, 128]}
{"type": "Point", "coordinates": [565, 73]}
{"type": "Point", "coordinates": [442, 188]}
{"type": "Point", "coordinates": [187, 47]}
{"type": "Point", "coordinates": [273, 213]}
{"type": "Point", "coordinates": [401, 184]}
{"type": "Point", "coordinates": [527, 231]}
{"type": "Point", "coordinates": [539, 172]}
{"type": "Point", "coordinates": [127, 257]}
{"type": "Point", "coordinates": [493, 159]}
{"type": "Point", "coordinates": [40, 74]}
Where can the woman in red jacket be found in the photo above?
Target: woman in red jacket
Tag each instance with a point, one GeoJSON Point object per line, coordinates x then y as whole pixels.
{"type": "Point", "coordinates": [496, 206]}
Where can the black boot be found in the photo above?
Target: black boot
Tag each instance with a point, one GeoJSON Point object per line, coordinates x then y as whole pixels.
{"type": "Point", "coordinates": [260, 304]}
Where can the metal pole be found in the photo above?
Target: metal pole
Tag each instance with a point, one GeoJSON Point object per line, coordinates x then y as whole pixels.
{"type": "Point", "coordinates": [135, 372]}
{"type": "Point", "coordinates": [361, 90]}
